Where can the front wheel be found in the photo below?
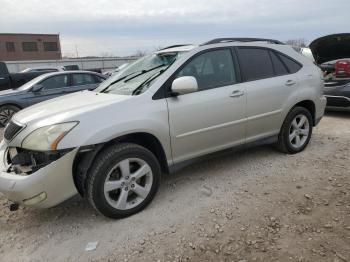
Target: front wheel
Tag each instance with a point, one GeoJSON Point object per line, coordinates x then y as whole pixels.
{"type": "Point", "coordinates": [296, 131]}
{"type": "Point", "coordinates": [123, 180]}
{"type": "Point", "coordinates": [6, 113]}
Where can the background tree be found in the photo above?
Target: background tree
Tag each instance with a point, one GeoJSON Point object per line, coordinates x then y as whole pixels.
{"type": "Point", "coordinates": [298, 42]}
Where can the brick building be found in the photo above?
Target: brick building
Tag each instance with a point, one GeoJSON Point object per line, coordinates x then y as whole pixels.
{"type": "Point", "coordinates": [29, 47]}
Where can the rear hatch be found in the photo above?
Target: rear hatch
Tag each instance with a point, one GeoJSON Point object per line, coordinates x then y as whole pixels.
{"type": "Point", "coordinates": [332, 47]}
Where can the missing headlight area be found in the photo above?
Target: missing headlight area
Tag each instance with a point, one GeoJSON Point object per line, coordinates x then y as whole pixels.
{"type": "Point", "coordinates": [26, 162]}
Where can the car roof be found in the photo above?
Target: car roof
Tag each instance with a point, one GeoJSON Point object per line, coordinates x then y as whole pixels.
{"type": "Point", "coordinates": [176, 48]}
{"type": "Point", "coordinates": [71, 72]}
{"type": "Point", "coordinates": [41, 67]}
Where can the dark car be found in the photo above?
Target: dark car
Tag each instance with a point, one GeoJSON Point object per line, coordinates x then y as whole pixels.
{"type": "Point", "coordinates": [332, 54]}
{"type": "Point", "coordinates": [14, 80]}
{"type": "Point", "coordinates": [338, 94]}
{"type": "Point", "coordinates": [45, 87]}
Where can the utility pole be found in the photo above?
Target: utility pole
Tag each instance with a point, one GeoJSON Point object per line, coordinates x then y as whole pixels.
{"type": "Point", "coordinates": [76, 51]}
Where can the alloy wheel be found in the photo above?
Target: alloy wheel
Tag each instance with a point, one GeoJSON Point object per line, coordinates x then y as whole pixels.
{"type": "Point", "coordinates": [5, 115]}
{"type": "Point", "coordinates": [128, 183]}
{"type": "Point", "coordinates": [299, 131]}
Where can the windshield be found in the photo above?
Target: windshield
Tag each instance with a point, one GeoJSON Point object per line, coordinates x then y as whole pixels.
{"type": "Point", "coordinates": [138, 76]}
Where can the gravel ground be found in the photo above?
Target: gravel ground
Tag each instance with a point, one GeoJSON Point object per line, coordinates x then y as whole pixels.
{"type": "Point", "coordinates": [252, 205]}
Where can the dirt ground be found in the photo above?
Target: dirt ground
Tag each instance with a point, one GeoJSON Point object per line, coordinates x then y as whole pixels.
{"type": "Point", "coordinates": [251, 205]}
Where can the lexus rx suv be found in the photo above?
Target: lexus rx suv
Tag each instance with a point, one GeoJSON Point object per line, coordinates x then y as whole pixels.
{"type": "Point", "coordinates": [112, 145]}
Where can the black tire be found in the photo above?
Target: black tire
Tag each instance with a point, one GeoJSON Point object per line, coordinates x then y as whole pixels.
{"type": "Point", "coordinates": [101, 166]}
{"type": "Point", "coordinates": [6, 113]}
{"type": "Point", "coordinates": [284, 144]}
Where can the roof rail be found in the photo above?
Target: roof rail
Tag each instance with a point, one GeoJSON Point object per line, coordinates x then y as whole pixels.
{"type": "Point", "coordinates": [172, 46]}
{"type": "Point", "coordinates": [242, 39]}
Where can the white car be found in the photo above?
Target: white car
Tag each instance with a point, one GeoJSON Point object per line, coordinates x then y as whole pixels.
{"type": "Point", "coordinates": [111, 145]}
{"type": "Point", "coordinates": [308, 53]}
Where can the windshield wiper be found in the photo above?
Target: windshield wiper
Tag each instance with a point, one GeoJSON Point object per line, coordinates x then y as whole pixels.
{"type": "Point", "coordinates": [136, 72]}
{"type": "Point", "coordinates": [144, 72]}
{"type": "Point", "coordinates": [138, 89]}
{"type": "Point", "coordinates": [118, 80]}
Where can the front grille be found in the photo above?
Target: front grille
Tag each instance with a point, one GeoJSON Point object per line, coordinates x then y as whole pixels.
{"type": "Point", "coordinates": [11, 130]}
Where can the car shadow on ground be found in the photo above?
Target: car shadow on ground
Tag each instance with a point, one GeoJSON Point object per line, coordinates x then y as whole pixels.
{"type": "Point", "coordinates": [338, 114]}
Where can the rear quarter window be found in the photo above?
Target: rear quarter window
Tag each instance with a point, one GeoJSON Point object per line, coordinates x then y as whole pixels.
{"type": "Point", "coordinates": [292, 65]}
{"type": "Point", "coordinates": [280, 68]}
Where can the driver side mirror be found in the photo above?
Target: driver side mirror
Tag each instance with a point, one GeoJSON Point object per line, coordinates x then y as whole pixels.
{"type": "Point", "coordinates": [37, 87]}
{"type": "Point", "coordinates": [184, 85]}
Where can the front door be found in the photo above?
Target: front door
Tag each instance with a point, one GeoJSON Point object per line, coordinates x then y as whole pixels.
{"type": "Point", "coordinates": [212, 118]}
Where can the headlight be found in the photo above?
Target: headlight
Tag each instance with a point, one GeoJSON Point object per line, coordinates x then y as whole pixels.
{"type": "Point", "coordinates": [47, 137]}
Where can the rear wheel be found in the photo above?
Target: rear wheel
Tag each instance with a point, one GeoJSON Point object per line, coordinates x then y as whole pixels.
{"type": "Point", "coordinates": [296, 131]}
{"type": "Point", "coordinates": [123, 180]}
{"type": "Point", "coordinates": [6, 113]}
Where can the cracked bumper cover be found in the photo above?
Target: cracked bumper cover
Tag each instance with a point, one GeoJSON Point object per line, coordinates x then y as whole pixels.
{"type": "Point", "coordinates": [54, 182]}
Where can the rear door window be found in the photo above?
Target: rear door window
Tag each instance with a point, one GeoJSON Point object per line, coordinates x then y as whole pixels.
{"type": "Point", "coordinates": [83, 79]}
{"type": "Point", "coordinates": [292, 66]}
{"type": "Point", "coordinates": [255, 63]}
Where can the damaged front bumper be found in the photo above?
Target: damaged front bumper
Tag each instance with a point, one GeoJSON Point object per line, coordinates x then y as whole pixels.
{"type": "Point", "coordinates": [41, 187]}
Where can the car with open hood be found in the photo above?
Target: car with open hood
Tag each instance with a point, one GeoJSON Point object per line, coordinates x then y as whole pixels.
{"type": "Point", "coordinates": [332, 54]}
{"type": "Point", "coordinates": [113, 144]}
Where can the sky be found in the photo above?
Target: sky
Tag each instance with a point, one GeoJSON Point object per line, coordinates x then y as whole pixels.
{"type": "Point", "coordinates": [121, 28]}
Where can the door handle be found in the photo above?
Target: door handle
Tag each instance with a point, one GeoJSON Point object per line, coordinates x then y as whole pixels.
{"type": "Point", "coordinates": [290, 83]}
{"type": "Point", "coordinates": [237, 93]}
{"type": "Point", "coordinates": [2, 78]}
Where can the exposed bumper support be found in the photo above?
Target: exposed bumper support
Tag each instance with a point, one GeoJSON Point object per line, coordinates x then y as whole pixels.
{"type": "Point", "coordinates": [47, 187]}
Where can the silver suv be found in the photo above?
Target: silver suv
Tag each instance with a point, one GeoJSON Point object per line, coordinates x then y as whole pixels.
{"type": "Point", "coordinates": [111, 145]}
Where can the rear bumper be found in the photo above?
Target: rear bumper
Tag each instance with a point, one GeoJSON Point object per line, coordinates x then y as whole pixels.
{"type": "Point", "coordinates": [45, 188]}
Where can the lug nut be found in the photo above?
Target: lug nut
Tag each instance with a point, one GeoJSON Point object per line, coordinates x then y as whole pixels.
{"type": "Point", "coordinates": [133, 178]}
{"type": "Point", "coordinates": [123, 183]}
{"type": "Point", "coordinates": [132, 185]}
{"type": "Point", "coordinates": [126, 188]}
{"type": "Point", "coordinates": [127, 177]}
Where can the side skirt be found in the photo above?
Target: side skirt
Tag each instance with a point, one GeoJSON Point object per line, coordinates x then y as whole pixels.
{"type": "Point", "coordinates": [265, 141]}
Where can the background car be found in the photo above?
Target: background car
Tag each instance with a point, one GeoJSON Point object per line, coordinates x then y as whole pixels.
{"type": "Point", "coordinates": [338, 95]}
{"type": "Point", "coordinates": [13, 80]}
{"type": "Point", "coordinates": [118, 69]}
{"type": "Point", "coordinates": [45, 87]}
{"type": "Point", "coordinates": [332, 55]}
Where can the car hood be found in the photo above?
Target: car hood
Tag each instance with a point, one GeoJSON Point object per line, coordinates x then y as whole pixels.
{"type": "Point", "coordinates": [10, 92]}
{"type": "Point", "coordinates": [331, 47]}
{"type": "Point", "coordinates": [66, 108]}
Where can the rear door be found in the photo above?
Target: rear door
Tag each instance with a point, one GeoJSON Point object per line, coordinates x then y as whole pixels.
{"type": "Point", "coordinates": [269, 85]}
{"type": "Point", "coordinates": [213, 117]}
